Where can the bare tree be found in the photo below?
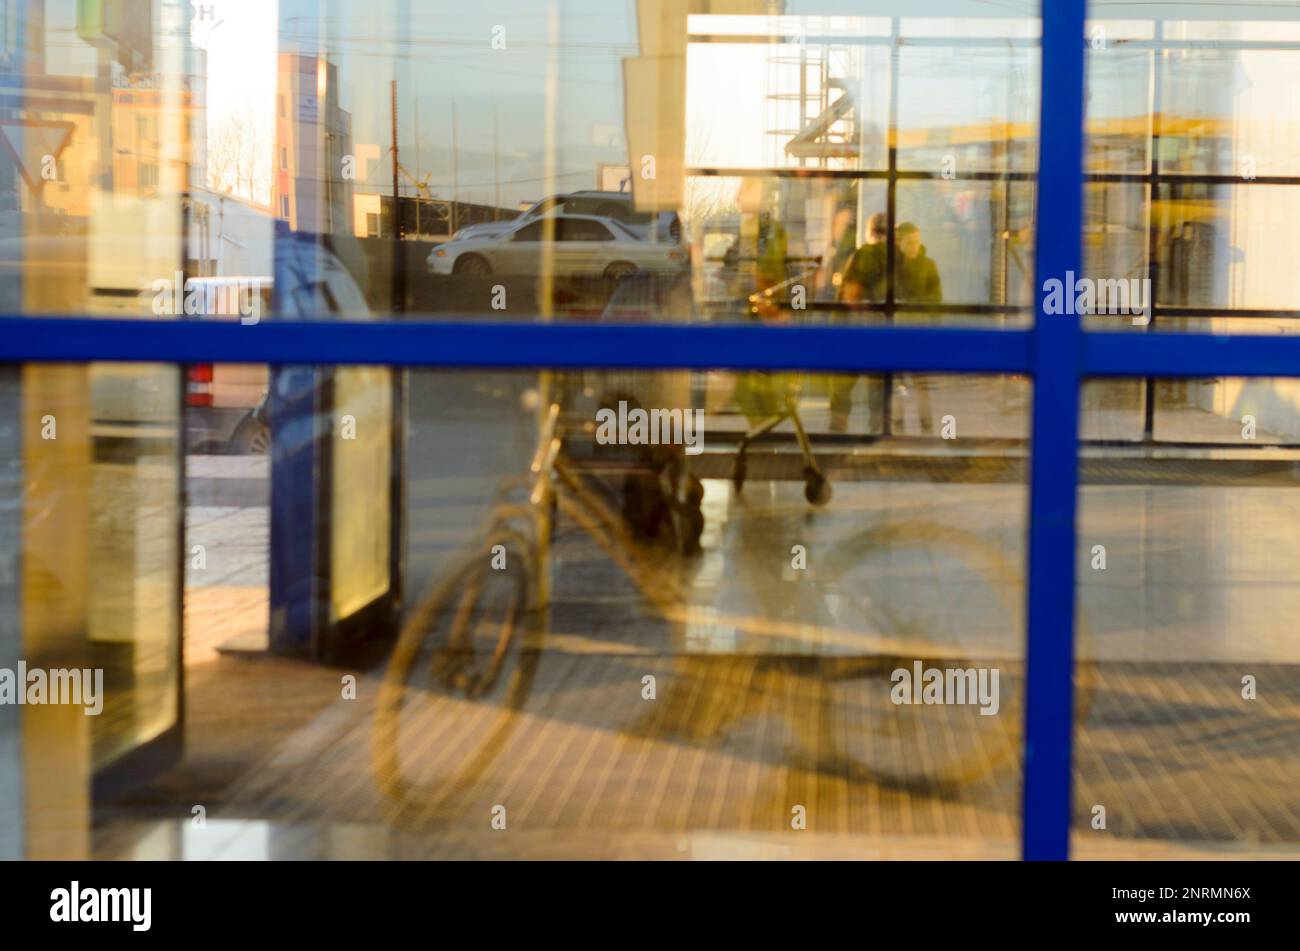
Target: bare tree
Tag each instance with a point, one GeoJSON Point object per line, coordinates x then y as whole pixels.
{"type": "Point", "coordinates": [239, 161]}
{"type": "Point", "coordinates": [706, 197]}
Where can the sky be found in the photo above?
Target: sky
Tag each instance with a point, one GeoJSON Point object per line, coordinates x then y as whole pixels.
{"type": "Point", "coordinates": [451, 82]}
{"type": "Point", "coordinates": [240, 38]}
{"type": "Point", "coordinates": [453, 86]}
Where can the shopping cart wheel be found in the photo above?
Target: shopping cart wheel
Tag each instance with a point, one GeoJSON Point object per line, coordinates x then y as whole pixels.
{"type": "Point", "coordinates": [816, 488]}
{"type": "Point", "coordinates": [695, 492]}
{"type": "Point", "coordinates": [738, 473]}
{"type": "Point", "coordinates": [688, 526]}
{"type": "Point", "coordinates": [644, 506]}
{"type": "Point", "coordinates": [688, 519]}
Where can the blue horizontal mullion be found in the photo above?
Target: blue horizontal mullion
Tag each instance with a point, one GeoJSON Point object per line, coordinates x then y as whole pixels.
{"type": "Point", "coordinates": [554, 345]}
{"type": "Point", "coordinates": [1189, 355]}
{"type": "Point", "coordinates": [721, 346]}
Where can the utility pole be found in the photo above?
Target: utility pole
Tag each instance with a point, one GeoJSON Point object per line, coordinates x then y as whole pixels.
{"type": "Point", "coordinates": [419, 199]}
{"type": "Point", "coordinates": [398, 288]}
{"type": "Point", "coordinates": [397, 205]}
{"type": "Point", "coordinates": [496, 164]}
{"type": "Point", "coordinates": [455, 170]}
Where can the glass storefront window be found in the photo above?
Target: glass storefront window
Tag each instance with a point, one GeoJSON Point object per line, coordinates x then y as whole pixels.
{"type": "Point", "coordinates": [812, 164]}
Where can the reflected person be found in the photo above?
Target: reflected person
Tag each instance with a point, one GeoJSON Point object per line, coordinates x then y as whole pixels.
{"type": "Point", "coordinates": [917, 276]}
{"type": "Point", "coordinates": [863, 280]}
{"type": "Point", "coordinates": [760, 253]}
{"type": "Point", "coordinates": [916, 280]}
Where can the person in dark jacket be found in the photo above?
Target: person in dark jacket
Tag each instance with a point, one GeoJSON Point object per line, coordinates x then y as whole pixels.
{"type": "Point", "coordinates": [838, 252]}
{"type": "Point", "coordinates": [864, 277]}
{"type": "Point", "coordinates": [916, 279]}
{"type": "Point", "coordinates": [916, 276]}
{"type": "Point", "coordinates": [863, 280]}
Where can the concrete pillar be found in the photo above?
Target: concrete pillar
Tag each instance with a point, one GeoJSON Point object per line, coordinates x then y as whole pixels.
{"type": "Point", "coordinates": [55, 490]}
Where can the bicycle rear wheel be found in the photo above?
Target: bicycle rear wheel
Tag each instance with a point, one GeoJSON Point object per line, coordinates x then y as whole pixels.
{"type": "Point", "coordinates": [933, 598]}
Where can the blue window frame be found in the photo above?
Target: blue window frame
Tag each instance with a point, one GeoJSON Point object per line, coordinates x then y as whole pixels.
{"type": "Point", "coordinates": [1055, 352]}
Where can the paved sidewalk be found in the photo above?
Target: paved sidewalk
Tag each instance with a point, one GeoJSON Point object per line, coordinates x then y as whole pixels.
{"type": "Point", "coordinates": [227, 600]}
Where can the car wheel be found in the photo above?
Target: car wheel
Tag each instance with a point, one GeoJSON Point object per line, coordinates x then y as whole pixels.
{"type": "Point", "coordinates": [472, 265]}
{"type": "Point", "coordinates": [252, 437]}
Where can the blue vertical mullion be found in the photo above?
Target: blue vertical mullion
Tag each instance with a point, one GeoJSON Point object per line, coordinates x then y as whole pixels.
{"type": "Point", "coordinates": [1049, 662]}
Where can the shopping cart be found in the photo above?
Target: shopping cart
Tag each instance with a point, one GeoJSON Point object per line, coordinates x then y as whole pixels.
{"type": "Point", "coordinates": [649, 478]}
{"type": "Point", "coordinates": [768, 399]}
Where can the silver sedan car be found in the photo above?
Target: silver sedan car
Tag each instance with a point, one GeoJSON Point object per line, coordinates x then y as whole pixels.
{"type": "Point", "coordinates": [573, 244]}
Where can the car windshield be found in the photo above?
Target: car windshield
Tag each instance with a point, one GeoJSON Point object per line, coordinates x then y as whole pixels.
{"type": "Point", "coordinates": [545, 205]}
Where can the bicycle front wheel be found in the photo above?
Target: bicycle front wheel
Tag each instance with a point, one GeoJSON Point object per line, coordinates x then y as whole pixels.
{"type": "Point", "coordinates": [461, 670]}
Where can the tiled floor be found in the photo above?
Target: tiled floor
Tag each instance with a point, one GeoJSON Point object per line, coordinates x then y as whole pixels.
{"type": "Point", "coordinates": [729, 752]}
{"type": "Point", "coordinates": [765, 710]}
{"type": "Point", "coordinates": [771, 731]}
